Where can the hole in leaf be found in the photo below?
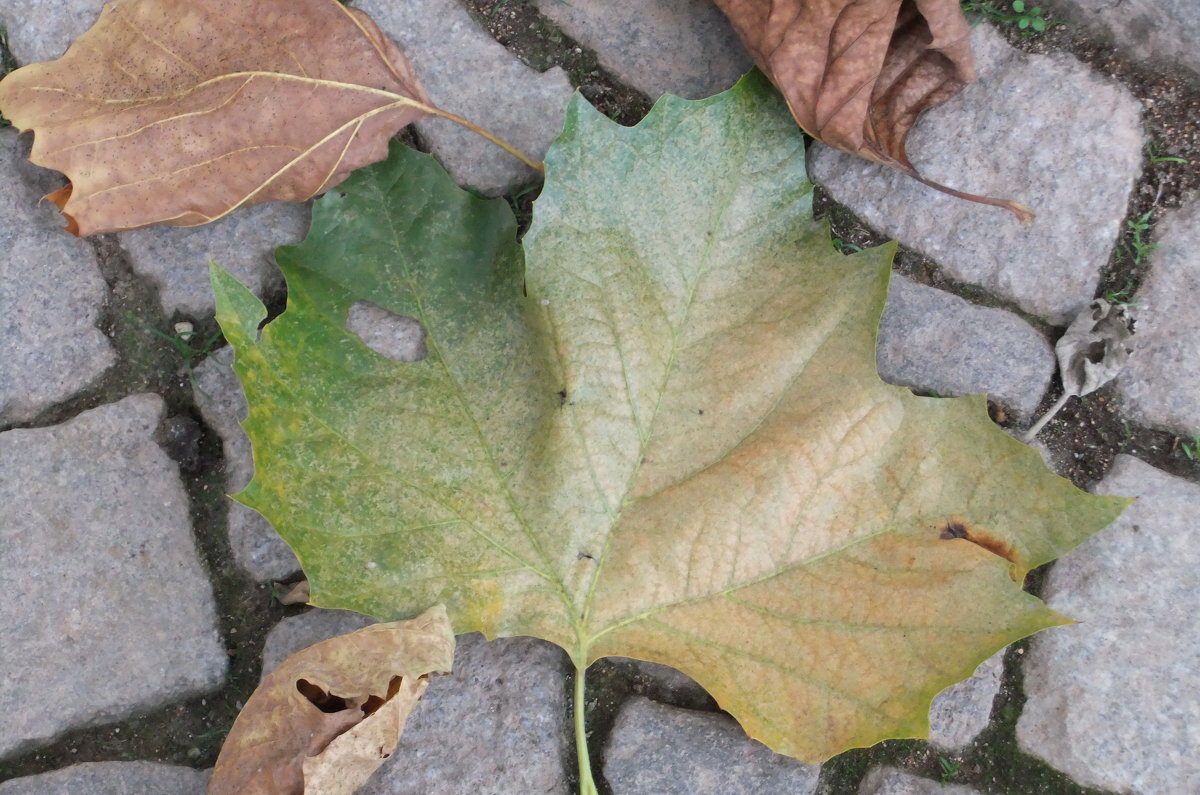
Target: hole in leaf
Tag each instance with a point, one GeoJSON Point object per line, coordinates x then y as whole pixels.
{"type": "Point", "coordinates": [326, 702]}
{"type": "Point", "coordinates": [373, 702]}
{"type": "Point", "coordinates": [399, 338]}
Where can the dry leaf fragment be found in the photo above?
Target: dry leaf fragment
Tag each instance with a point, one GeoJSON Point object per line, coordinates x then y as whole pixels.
{"type": "Point", "coordinates": [858, 73]}
{"type": "Point", "coordinates": [297, 594]}
{"type": "Point", "coordinates": [1091, 352]}
{"type": "Point", "coordinates": [177, 111]}
{"type": "Point", "coordinates": [323, 692]}
{"type": "Point", "coordinates": [350, 759]}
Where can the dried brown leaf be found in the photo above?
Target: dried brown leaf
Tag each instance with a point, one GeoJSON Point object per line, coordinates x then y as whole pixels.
{"type": "Point", "coordinates": [298, 594]}
{"type": "Point", "coordinates": [351, 758]}
{"type": "Point", "coordinates": [858, 73]}
{"type": "Point", "coordinates": [325, 691]}
{"type": "Point", "coordinates": [178, 111]}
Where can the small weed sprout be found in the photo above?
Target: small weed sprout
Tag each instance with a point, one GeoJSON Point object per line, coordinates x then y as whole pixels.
{"type": "Point", "coordinates": [844, 247]}
{"type": "Point", "coordinates": [1139, 247]}
{"type": "Point", "coordinates": [1121, 297]}
{"type": "Point", "coordinates": [1028, 20]}
{"type": "Point", "coordinates": [181, 341]}
{"type": "Point", "coordinates": [1154, 157]}
{"type": "Point", "coordinates": [949, 769]}
{"type": "Point", "coordinates": [1191, 449]}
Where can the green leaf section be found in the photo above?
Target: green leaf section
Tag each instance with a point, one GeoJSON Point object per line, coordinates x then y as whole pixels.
{"type": "Point", "coordinates": [669, 443]}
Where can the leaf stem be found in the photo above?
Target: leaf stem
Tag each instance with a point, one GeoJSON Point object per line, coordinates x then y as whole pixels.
{"type": "Point", "coordinates": [536, 165]}
{"type": "Point", "coordinates": [587, 785]}
{"type": "Point", "coordinates": [1029, 435]}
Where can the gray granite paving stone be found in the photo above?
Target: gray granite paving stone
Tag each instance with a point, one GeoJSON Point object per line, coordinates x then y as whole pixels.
{"type": "Point", "coordinates": [1161, 382]}
{"type": "Point", "coordinates": [51, 296]}
{"type": "Point", "coordinates": [467, 72]}
{"type": "Point", "coordinates": [937, 342]}
{"type": "Point", "coordinates": [1112, 700]}
{"type": "Point", "coordinates": [41, 30]}
{"type": "Point", "coordinates": [1044, 130]}
{"type": "Point", "coordinates": [256, 546]}
{"type": "Point", "coordinates": [672, 751]}
{"type": "Point", "coordinates": [299, 632]}
{"type": "Point", "coordinates": [1166, 32]}
{"type": "Point", "coordinates": [962, 711]}
{"type": "Point", "coordinates": [497, 724]}
{"type": "Point", "coordinates": [890, 781]}
{"type": "Point", "coordinates": [243, 243]}
{"type": "Point", "coordinates": [107, 608]}
{"type": "Point", "coordinates": [112, 778]}
{"type": "Point", "coordinates": [682, 47]}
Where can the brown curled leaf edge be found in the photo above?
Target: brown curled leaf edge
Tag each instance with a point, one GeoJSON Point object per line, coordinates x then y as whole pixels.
{"type": "Point", "coordinates": [178, 112]}
{"type": "Point", "coordinates": [858, 73]}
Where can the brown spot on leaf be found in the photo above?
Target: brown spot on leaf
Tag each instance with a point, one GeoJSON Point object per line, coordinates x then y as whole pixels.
{"type": "Point", "coordinates": [955, 527]}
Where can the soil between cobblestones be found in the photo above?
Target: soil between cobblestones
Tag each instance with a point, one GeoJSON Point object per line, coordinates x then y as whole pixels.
{"type": "Point", "coordinates": [1083, 441]}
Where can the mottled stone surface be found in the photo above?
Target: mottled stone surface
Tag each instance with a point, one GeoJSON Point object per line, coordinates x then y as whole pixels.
{"type": "Point", "coordinates": [1112, 700]}
{"type": "Point", "coordinates": [669, 751]}
{"type": "Point", "coordinates": [51, 296]}
{"type": "Point", "coordinates": [298, 632]}
{"type": "Point", "coordinates": [1044, 130]}
{"type": "Point", "coordinates": [1161, 382]}
{"type": "Point", "coordinates": [890, 781]}
{"type": "Point", "coordinates": [467, 72]}
{"type": "Point", "coordinates": [243, 243]}
{"type": "Point", "coordinates": [41, 30]}
{"type": "Point", "coordinates": [681, 47]}
{"type": "Point", "coordinates": [256, 546]}
{"type": "Point", "coordinates": [95, 535]}
{"type": "Point", "coordinates": [112, 778]}
{"type": "Point", "coordinates": [664, 683]}
{"type": "Point", "coordinates": [1166, 32]}
{"type": "Point", "coordinates": [934, 341]}
{"type": "Point", "coordinates": [498, 724]}
{"type": "Point", "coordinates": [962, 711]}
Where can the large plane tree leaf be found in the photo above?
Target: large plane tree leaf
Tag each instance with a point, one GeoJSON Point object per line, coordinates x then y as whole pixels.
{"type": "Point", "coordinates": [672, 444]}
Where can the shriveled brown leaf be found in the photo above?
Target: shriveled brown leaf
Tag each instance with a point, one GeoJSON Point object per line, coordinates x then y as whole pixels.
{"type": "Point", "coordinates": [348, 761]}
{"type": "Point", "coordinates": [178, 111]}
{"type": "Point", "coordinates": [1092, 352]}
{"type": "Point", "coordinates": [858, 73]}
{"type": "Point", "coordinates": [298, 594]}
{"type": "Point", "coordinates": [325, 691]}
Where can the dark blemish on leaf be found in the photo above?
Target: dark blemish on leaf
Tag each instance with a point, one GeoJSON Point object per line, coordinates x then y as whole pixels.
{"type": "Point", "coordinates": [699, 411]}
{"type": "Point", "coordinates": [954, 527]}
{"type": "Point", "coordinates": [562, 397]}
{"type": "Point", "coordinates": [584, 556]}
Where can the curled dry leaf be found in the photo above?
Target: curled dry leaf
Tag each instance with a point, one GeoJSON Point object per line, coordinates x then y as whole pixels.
{"type": "Point", "coordinates": [368, 680]}
{"type": "Point", "coordinates": [297, 594]}
{"type": "Point", "coordinates": [350, 759]}
{"type": "Point", "coordinates": [1095, 347]}
{"type": "Point", "coordinates": [1092, 352]}
{"type": "Point", "coordinates": [178, 111]}
{"type": "Point", "coordinates": [857, 73]}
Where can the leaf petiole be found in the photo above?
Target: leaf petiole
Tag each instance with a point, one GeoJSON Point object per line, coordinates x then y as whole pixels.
{"type": "Point", "coordinates": [536, 165]}
{"type": "Point", "coordinates": [587, 785]}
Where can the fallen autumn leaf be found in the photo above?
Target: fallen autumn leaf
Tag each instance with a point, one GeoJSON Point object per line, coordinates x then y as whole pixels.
{"type": "Point", "coordinates": [857, 74]}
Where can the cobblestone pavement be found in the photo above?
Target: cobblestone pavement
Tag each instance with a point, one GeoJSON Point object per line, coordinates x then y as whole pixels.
{"type": "Point", "coordinates": [138, 611]}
